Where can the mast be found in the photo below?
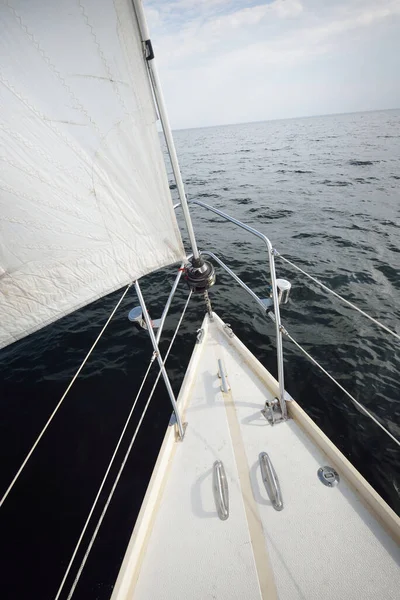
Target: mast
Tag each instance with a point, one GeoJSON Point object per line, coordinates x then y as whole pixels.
{"type": "Point", "coordinates": [159, 97]}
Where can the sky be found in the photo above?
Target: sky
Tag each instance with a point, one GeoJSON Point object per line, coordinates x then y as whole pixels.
{"type": "Point", "coordinates": [234, 61]}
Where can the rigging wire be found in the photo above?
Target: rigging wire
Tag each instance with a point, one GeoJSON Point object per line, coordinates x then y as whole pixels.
{"type": "Point", "coordinates": [105, 508]}
{"type": "Point", "coordinates": [356, 402]}
{"type": "Point", "coordinates": [327, 289]}
{"type": "Point", "coordinates": [13, 482]}
{"type": "Point", "coordinates": [103, 480]}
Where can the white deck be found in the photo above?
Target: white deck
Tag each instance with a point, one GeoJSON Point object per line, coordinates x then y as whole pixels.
{"type": "Point", "coordinates": [323, 544]}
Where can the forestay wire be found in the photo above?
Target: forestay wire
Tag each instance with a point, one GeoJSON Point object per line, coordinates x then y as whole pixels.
{"type": "Point", "coordinates": [71, 383]}
{"type": "Point", "coordinates": [94, 535]}
{"type": "Point", "coordinates": [327, 289]}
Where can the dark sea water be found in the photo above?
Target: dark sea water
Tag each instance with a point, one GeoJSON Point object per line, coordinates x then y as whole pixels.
{"type": "Point", "coordinates": [326, 190]}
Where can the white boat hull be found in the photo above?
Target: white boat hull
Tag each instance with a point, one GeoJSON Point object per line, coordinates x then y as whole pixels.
{"type": "Point", "coordinates": [326, 543]}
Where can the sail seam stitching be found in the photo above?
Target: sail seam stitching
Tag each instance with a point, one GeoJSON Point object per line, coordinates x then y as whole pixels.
{"type": "Point", "coordinates": [51, 66]}
{"type": "Point", "coordinates": [107, 68]}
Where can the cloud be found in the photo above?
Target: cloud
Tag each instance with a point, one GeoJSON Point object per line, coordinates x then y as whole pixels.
{"type": "Point", "coordinates": [228, 60]}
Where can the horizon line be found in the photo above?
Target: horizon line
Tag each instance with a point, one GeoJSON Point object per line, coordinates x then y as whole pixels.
{"type": "Point", "coordinates": [353, 112]}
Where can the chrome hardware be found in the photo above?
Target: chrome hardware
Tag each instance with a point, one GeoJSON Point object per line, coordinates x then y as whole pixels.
{"type": "Point", "coordinates": [283, 289]}
{"type": "Point", "coordinates": [268, 303]}
{"type": "Point", "coordinates": [174, 423]}
{"type": "Point", "coordinates": [234, 276]}
{"type": "Point", "coordinates": [135, 315]}
{"type": "Point", "coordinates": [270, 480]}
{"type": "Point", "coordinates": [272, 411]}
{"type": "Point", "coordinates": [160, 361]}
{"type": "Point", "coordinates": [328, 476]}
{"type": "Point", "coordinates": [271, 258]}
{"type": "Point", "coordinates": [225, 387]}
{"type": "Point", "coordinates": [200, 336]}
{"type": "Point", "coordinates": [221, 493]}
{"type": "Point", "coordinates": [228, 330]}
{"type": "Point", "coordinates": [199, 275]}
{"type": "Point", "coordinates": [284, 286]}
{"type": "Point", "coordinates": [178, 436]}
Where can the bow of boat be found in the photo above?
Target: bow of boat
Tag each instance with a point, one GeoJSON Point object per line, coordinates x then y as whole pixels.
{"type": "Point", "coordinates": [239, 508]}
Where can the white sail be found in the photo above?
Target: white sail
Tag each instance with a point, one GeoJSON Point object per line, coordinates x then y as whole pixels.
{"type": "Point", "coordinates": [85, 205]}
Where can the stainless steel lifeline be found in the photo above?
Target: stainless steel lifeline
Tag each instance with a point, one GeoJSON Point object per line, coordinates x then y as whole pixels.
{"type": "Point", "coordinates": [278, 325]}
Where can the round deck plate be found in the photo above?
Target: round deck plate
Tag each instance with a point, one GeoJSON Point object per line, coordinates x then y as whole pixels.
{"type": "Point", "coordinates": [328, 476]}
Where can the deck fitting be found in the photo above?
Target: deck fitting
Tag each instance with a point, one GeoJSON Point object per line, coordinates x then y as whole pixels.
{"type": "Point", "coordinates": [225, 387]}
{"type": "Point", "coordinates": [272, 411]}
{"type": "Point", "coordinates": [328, 476]}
